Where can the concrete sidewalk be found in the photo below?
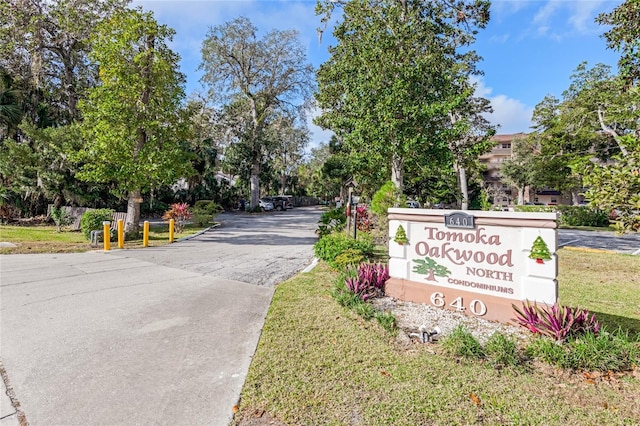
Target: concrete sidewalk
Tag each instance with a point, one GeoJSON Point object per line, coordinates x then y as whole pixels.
{"type": "Point", "coordinates": [100, 339]}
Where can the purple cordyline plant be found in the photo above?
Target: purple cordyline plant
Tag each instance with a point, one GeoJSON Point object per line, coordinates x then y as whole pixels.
{"type": "Point", "coordinates": [369, 280]}
{"type": "Point", "coordinates": [558, 322]}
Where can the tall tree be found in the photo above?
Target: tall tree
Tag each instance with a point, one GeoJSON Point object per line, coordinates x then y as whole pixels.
{"type": "Point", "coordinates": [270, 73]}
{"type": "Point", "coordinates": [45, 44]}
{"type": "Point", "coordinates": [133, 121]}
{"type": "Point", "coordinates": [470, 136]}
{"type": "Point", "coordinates": [44, 50]}
{"type": "Point", "coordinates": [388, 87]}
{"type": "Point", "coordinates": [10, 107]}
{"type": "Point", "coordinates": [596, 101]}
{"type": "Point", "coordinates": [623, 37]}
{"type": "Point", "coordinates": [290, 139]}
{"type": "Point", "coordinates": [520, 169]}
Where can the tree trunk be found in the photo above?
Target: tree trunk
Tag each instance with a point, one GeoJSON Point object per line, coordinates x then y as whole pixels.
{"type": "Point", "coordinates": [132, 222]}
{"type": "Point", "coordinates": [431, 275]}
{"type": "Point", "coordinates": [611, 132]}
{"type": "Point", "coordinates": [520, 195]}
{"type": "Point", "coordinates": [574, 198]}
{"type": "Point", "coordinates": [464, 189]}
{"type": "Point", "coordinates": [283, 183]}
{"type": "Point", "coordinates": [255, 183]}
{"type": "Point", "coordinates": [396, 172]}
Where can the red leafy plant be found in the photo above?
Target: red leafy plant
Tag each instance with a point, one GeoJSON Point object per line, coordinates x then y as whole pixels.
{"type": "Point", "coordinates": [363, 221]}
{"type": "Point", "coordinates": [180, 213]}
{"type": "Point", "coordinates": [368, 281]}
{"type": "Point", "coordinates": [556, 321]}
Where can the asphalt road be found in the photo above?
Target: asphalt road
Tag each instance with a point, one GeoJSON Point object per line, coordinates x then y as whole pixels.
{"type": "Point", "coordinates": [157, 336]}
{"type": "Point", "coordinates": [600, 240]}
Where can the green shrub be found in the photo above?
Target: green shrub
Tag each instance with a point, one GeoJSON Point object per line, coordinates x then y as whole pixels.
{"type": "Point", "coordinates": [208, 206]}
{"type": "Point", "coordinates": [387, 321]}
{"type": "Point", "coordinates": [329, 247]}
{"type": "Point", "coordinates": [204, 211]}
{"type": "Point", "coordinates": [60, 217]}
{"type": "Point", "coordinates": [591, 352]}
{"type": "Point", "coordinates": [349, 257]}
{"type": "Point", "coordinates": [582, 216]}
{"type": "Point", "coordinates": [548, 351]}
{"type": "Point", "coordinates": [571, 215]}
{"type": "Point", "coordinates": [333, 220]}
{"type": "Point", "coordinates": [387, 196]}
{"type": "Point", "coordinates": [534, 209]}
{"type": "Point", "coordinates": [352, 301]}
{"type": "Point", "coordinates": [603, 352]}
{"type": "Point", "coordinates": [502, 351]}
{"type": "Point", "coordinates": [462, 343]}
{"type": "Point", "coordinates": [92, 220]}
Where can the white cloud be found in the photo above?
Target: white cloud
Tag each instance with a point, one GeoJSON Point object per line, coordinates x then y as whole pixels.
{"type": "Point", "coordinates": [511, 115]}
{"type": "Point", "coordinates": [318, 135]}
{"type": "Point", "coordinates": [559, 19]}
{"type": "Point", "coordinates": [504, 9]}
{"type": "Point", "coordinates": [545, 14]}
{"type": "Point", "coordinates": [582, 15]}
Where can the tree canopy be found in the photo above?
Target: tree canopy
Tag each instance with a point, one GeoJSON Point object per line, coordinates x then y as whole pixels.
{"type": "Point", "coordinates": [390, 84]}
{"type": "Point", "coordinates": [261, 75]}
{"type": "Point", "coordinates": [133, 122]}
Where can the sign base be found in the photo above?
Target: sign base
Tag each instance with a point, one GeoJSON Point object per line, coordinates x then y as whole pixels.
{"type": "Point", "coordinates": [466, 302]}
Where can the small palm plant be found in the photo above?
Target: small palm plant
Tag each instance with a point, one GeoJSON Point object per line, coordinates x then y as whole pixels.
{"type": "Point", "coordinates": [180, 213]}
{"type": "Point", "coordinates": [60, 217]}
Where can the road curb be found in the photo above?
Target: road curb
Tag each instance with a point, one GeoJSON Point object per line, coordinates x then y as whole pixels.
{"type": "Point", "coordinates": [12, 416]}
{"type": "Point", "coordinates": [590, 250]}
{"type": "Point", "coordinates": [309, 268]}
{"type": "Point", "coordinates": [198, 233]}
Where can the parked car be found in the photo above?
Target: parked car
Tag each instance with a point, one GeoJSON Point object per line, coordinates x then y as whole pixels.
{"type": "Point", "coordinates": [265, 205]}
{"type": "Point", "coordinates": [280, 202]}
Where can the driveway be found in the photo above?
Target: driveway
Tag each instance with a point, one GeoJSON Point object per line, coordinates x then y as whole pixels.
{"type": "Point", "coordinates": [156, 336]}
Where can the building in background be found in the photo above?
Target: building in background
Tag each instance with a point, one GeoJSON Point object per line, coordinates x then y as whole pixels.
{"type": "Point", "coordinates": [502, 193]}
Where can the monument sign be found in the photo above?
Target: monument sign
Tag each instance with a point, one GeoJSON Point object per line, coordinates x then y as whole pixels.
{"type": "Point", "coordinates": [476, 262]}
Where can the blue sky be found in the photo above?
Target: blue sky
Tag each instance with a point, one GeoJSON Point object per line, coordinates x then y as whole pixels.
{"type": "Point", "coordinates": [529, 48]}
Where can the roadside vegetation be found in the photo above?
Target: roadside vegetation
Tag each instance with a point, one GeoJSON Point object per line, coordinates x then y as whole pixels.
{"type": "Point", "coordinates": [46, 239]}
{"type": "Point", "coordinates": [319, 362]}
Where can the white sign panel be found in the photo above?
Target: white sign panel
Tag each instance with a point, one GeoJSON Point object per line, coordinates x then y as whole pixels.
{"type": "Point", "coordinates": [476, 262]}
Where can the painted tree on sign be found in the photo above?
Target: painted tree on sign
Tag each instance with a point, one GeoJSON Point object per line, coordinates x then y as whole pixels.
{"type": "Point", "coordinates": [133, 121]}
{"type": "Point", "coordinates": [540, 251]}
{"type": "Point", "coordinates": [430, 268]}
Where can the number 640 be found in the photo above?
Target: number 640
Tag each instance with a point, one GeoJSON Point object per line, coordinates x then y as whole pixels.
{"type": "Point", "coordinates": [477, 307]}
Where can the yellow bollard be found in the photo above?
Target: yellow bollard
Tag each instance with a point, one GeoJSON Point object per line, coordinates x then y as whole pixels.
{"type": "Point", "coordinates": [106, 235]}
{"type": "Point", "coordinates": [120, 233]}
{"type": "Point", "coordinates": [172, 227]}
{"type": "Point", "coordinates": [145, 234]}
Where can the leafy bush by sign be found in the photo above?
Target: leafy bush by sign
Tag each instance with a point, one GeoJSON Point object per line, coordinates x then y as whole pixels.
{"type": "Point", "coordinates": [571, 215]}
{"type": "Point", "coordinates": [387, 196]}
{"type": "Point", "coordinates": [582, 216]}
{"type": "Point", "coordinates": [368, 281]}
{"type": "Point", "coordinates": [558, 322]}
{"type": "Point", "coordinates": [92, 220]}
{"type": "Point", "coordinates": [329, 247]}
{"type": "Point", "coordinates": [333, 220]}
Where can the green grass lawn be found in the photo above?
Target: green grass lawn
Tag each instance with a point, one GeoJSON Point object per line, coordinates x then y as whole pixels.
{"type": "Point", "coordinates": [318, 363]}
{"type": "Point", "coordinates": [45, 239]}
